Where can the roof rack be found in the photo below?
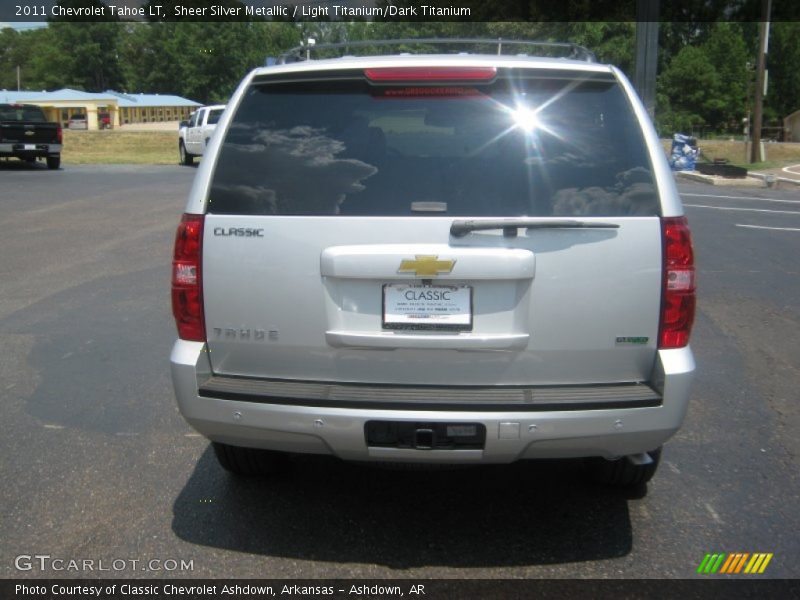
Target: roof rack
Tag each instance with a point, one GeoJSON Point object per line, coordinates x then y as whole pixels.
{"type": "Point", "coordinates": [572, 51]}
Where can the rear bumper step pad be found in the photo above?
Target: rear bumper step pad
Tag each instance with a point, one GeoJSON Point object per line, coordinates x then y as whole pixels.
{"type": "Point", "coordinates": [402, 397]}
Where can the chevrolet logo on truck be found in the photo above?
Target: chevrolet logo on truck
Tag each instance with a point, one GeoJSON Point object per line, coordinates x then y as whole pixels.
{"type": "Point", "coordinates": [238, 231]}
{"type": "Point", "coordinates": [426, 265]}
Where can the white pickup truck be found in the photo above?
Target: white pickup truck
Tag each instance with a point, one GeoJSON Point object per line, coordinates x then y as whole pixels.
{"type": "Point", "coordinates": [195, 133]}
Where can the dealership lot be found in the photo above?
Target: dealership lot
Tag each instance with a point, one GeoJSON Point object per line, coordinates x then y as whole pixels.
{"type": "Point", "coordinates": [99, 465]}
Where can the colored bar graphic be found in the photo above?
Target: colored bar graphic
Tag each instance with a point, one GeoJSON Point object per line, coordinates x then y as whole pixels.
{"type": "Point", "coordinates": [754, 564]}
{"type": "Point", "coordinates": [766, 562]}
{"type": "Point", "coordinates": [717, 564]}
{"type": "Point", "coordinates": [737, 557]}
{"type": "Point", "coordinates": [728, 564]}
{"type": "Point", "coordinates": [733, 563]}
{"type": "Point", "coordinates": [741, 563]}
{"type": "Point", "coordinates": [702, 567]}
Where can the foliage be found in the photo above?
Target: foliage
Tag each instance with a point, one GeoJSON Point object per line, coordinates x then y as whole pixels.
{"type": "Point", "coordinates": [203, 61]}
{"type": "Point", "coordinates": [705, 81]}
{"type": "Point", "coordinates": [689, 84]}
{"type": "Point", "coordinates": [15, 50]}
{"type": "Point", "coordinates": [705, 86]}
{"type": "Point", "coordinates": [783, 91]}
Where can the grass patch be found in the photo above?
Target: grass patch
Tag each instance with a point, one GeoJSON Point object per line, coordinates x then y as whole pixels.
{"type": "Point", "coordinates": [161, 148]}
{"type": "Point", "coordinates": [777, 154]}
{"type": "Point", "coordinates": [120, 147]}
{"type": "Point", "coordinates": [760, 166]}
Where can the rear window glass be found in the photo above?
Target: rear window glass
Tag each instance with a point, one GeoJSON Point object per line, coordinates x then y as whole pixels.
{"type": "Point", "coordinates": [214, 115]}
{"type": "Point", "coordinates": [524, 145]}
{"type": "Point", "coordinates": [21, 113]}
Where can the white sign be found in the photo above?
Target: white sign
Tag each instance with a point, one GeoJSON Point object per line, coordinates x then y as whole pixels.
{"type": "Point", "coordinates": [427, 306]}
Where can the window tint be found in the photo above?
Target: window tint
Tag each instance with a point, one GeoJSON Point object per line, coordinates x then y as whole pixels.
{"type": "Point", "coordinates": [214, 115]}
{"type": "Point", "coordinates": [11, 112]}
{"type": "Point", "coordinates": [521, 146]}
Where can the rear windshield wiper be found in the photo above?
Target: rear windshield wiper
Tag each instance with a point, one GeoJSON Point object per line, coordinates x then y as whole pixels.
{"type": "Point", "coordinates": [510, 226]}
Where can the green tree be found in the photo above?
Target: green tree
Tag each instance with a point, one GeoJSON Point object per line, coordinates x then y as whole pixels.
{"type": "Point", "coordinates": [15, 51]}
{"type": "Point", "coordinates": [689, 87]}
{"type": "Point", "coordinates": [48, 67]}
{"type": "Point", "coordinates": [783, 93]}
{"type": "Point", "coordinates": [727, 52]}
{"type": "Point", "coordinates": [612, 42]}
{"type": "Point", "coordinates": [203, 61]}
{"type": "Point", "coordinates": [89, 54]}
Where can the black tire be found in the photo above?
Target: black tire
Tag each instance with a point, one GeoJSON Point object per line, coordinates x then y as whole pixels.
{"type": "Point", "coordinates": [186, 158]}
{"type": "Point", "coordinates": [622, 472]}
{"type": "Point", "coordinates": [248, 462]}
{"type": "Point", "coordinates": [53, 162]}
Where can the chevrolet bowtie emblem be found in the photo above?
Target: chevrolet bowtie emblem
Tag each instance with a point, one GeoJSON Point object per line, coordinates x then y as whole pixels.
{"type": "Point", "coordinates": [426, 265]}
{"type": "Point", "coordinates": [30, 132]}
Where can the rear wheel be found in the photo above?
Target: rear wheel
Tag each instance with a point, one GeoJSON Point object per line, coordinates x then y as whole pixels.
{"type": "Point", "coordinates": [248, 462]}
{"type": "Point", "coordinates": [186, 158]}
{"type": "Point", "coordinates": [53, 162]}
{"type": "Point", "coordinates": [622, 472]}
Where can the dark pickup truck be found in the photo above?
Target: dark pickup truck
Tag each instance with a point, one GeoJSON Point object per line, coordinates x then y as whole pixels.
{"type": "Point", "coordinates": [26, 134]}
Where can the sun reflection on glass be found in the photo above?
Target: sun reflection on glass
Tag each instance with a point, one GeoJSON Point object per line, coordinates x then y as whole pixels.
{"type": "Point", "coordinates": [526, 119]}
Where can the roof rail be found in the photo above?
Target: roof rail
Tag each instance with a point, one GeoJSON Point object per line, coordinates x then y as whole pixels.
{"type": "Point", "coordinates": [572, 51]}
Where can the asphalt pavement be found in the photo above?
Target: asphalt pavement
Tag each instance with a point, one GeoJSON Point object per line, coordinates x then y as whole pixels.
{"type": "Point", "coordinates": [97, 463]}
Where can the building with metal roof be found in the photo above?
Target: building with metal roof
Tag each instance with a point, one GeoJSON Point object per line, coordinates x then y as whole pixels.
{"type": "Point", "coordinates": [104, 109]}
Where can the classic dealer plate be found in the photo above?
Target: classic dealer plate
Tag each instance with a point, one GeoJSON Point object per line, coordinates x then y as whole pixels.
{"type": "Point", "coordinates": [428, 307]}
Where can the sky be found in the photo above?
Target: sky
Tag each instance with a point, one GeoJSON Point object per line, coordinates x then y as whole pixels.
{"type": "Point", "coordinates": [22, 26]}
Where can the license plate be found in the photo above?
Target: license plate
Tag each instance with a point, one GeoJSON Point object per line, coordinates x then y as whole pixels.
{"type": "Point", "coordinates": [30, 147]}
{"type": "Point", "coordinates": [427, 307]}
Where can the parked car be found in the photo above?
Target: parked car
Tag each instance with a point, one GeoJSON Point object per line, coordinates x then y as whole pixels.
{"type": "Point", "coordinates": [104, 120]}
{"type": "Point", "coordinates": [435, 259]}
{"type": "Point", "coordinates": [77, 121]}
{"type": "Point", "coordinates": [195, 133]}
{"type": "Point", "coordinates": [26, 134]}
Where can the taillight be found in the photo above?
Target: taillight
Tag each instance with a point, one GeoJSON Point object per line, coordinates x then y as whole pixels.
{"type": "Point", "coordinates": [431, 73]}
{"type": "Point", "coordinates": [187, 284]}
{"type": "Point", "coordinates": [678, 296]}
{"type": "Point", "coordinates": [59, 135]}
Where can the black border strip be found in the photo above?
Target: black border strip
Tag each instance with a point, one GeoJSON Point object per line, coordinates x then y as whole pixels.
{"type": "Point", "coordinates": [534, 11]}
{"type": "Point", "coordinates": [722, 588]}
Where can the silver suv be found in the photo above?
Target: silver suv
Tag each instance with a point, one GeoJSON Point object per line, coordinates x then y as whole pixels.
{"type": "Point", "coordinates": [471, 258]}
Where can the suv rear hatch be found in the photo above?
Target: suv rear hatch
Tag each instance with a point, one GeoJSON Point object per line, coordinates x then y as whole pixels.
{"type": "Point", "coordinates": [434, 226]}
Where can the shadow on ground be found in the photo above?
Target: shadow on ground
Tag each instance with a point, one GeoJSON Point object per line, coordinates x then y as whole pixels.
{"type": "Point", "coordinates": [21, 165]}
{"type": "Point", "coordinates": [323, 509]}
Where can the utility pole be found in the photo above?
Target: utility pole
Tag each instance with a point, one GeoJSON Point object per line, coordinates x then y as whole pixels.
{"type": "Point", "coordinates": [19, 89]}
{"type": "Point", "coordinates": [758, 109]}
{"type": "Point", "coordinates": [646, 53]}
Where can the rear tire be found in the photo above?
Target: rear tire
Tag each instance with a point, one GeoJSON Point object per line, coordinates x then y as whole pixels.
{"type": "Point", "coordinates": [186, 158]}
{"type": "Point", "coordinates": [53, 162]}
{"type": "Point", "coordinates": [622, 472]}
{"type": "Point", "coordinates": [248, 462]}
